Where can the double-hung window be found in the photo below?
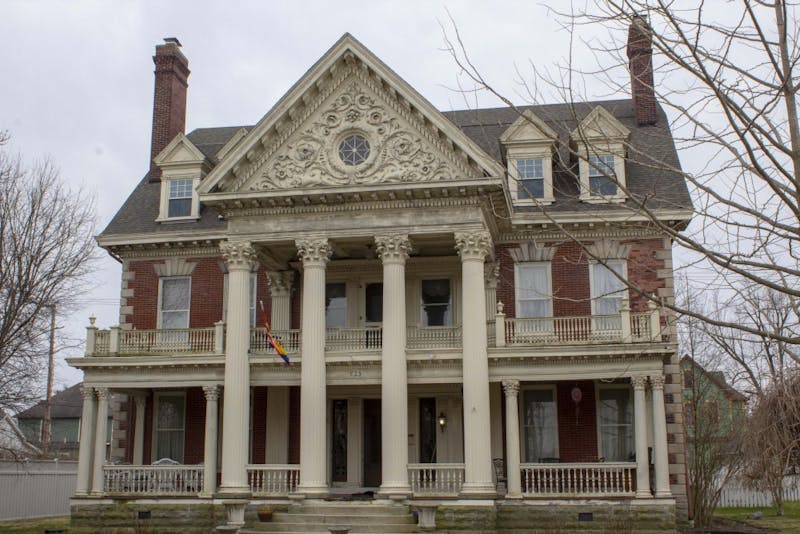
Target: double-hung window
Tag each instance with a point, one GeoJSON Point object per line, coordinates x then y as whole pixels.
{"type": "Point", "coordinates": [601, 175]}
{"type": "Point", "coordinates": [607, 294]}
{"type": "Point", "coordinates": [435, 305]}
{"type": "Point", "coordinates": [540, 425]}
{"type": "Point", "coordinates": [615, 423]}
{"type": "Point", "coordinates": [174, 303]}
{"type": "Point", "coordinates": [179, 203]}
{"type": "Point", "coordinates": [534, 301]}
{"type": "Point", "coordinates": [530, 176]}
{"type": "Point", "coordinates": [169, 426]}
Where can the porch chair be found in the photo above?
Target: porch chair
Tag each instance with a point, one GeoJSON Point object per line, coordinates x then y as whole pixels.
{"type": "Point", "coordinates": [500, 475]}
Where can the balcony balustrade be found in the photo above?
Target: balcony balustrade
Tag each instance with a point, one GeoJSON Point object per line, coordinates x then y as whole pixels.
{"type": "Point", "coordinates": [288, 339]}
{"type": "Point", "coordinates": [273, 480]}
{"type": "Point", "coordinates": [436, 480]}
{"type": "Point", "coordinates": [605, 479]}
{"type": "Point", "coordinates": [162, 480]}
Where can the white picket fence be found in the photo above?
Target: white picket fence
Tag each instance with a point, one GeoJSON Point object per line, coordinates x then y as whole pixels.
{"type": "Point", "coordinates": [36, 489]}
{"type": "Point", "coordinates": [735, 495]}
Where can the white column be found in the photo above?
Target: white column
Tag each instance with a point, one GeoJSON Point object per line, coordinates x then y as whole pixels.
{"type": "Point", "coordinates": [100, 430]}
{"type": "Point", "coordinates": [491, 272]}
{"type": "Point", "coordinates": [315, 254]}
{"type": "Point", "coordinates": [280, 285]}
{"type": "Point", "coordinates": [660, 445]}
{"type": "Point", "coordinates": [240, 258]}
{"type": "Point", "coordinates": [640, 436]}
{"type": "Point", "coordinates": [138, 432]}
{"type": "Point", "coordinates": [210, 449]}
{"type": "Point", "coordinates": [393, 251]}
{"type": "Point", "coordinates": [277, 448]}
{"type": "Point", "coordinates": [511, 390]}
{"type": "Point", "coordinates": [473, 248]}
{"type": "Point", "coordinates": [85, 463]}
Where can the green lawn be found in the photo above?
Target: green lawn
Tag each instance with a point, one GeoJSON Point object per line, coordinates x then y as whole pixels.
{"type": "Point", "coordinates": [34, 526]}
{"type": "Point", "coordinates": [789, 522]}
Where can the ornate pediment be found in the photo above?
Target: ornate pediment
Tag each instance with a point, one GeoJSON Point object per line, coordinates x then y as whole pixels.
{"type": "Point", "coordinates": [357, 136]}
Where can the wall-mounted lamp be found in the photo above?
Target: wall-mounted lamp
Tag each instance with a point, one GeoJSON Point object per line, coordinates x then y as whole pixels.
{"type": "Point", "coordinates": [442, 420]}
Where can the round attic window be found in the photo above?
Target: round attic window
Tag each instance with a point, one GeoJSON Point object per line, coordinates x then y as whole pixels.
{"type": "Point", "coordinates": [354, 149]}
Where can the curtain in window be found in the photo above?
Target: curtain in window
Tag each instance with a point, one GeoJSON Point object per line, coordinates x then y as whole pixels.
{"type": "Point", "coordinates": [607, 289]}
{"type": "Point", "coordinates": [175, 296]}
{"type": "Point", "coordinates": [533, 291]}
{"type": "Point", "coordinates": [616, 424]}
{"type": "Point", "coordinates": [169, 428]}
{"type": "Point", "coordinates": [540, 424]}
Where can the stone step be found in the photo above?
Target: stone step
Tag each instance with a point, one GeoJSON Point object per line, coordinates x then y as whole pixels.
{"type": "Point", "coordinates": [345, 508]}
{"type": "Point", "coordinates": [367, 517]}
{"type": "Point", "coordinates": [286, 528]}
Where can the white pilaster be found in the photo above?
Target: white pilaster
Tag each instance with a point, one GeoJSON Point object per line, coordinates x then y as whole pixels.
{"type": "Point", "coordinates": [138, 432]}
{"type": "Point", "coordinates": [511, 390]}
{"type": "Point", "coordinates": [473, 248]}
{"type": "Point", "coordinates": [393, 251]}
{"type": "Point", "coordinates": [640, 437]}
{"type": "Point", "coordinates": [240, 258]}
{"type": "Point", "coordinates": [101, 427]}
{"type": "Point", "coordinates": [280, 285]}
{"type": "Point", "coordinates": [277, 449]}
{"type": "Point", "coordinates": [661, 458]}
{"type": "Point", "coordinates": [210, 444]}
{"type": "Point", "coordinates": [85, 452]}
{"type": "Point", "coordinates": [315, 254]}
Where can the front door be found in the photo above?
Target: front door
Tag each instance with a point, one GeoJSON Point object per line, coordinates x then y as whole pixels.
{"type": "Point", "coordinates": [372, 443]}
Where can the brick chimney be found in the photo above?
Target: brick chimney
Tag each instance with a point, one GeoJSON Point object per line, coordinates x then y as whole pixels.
{"type": "Point", "coordinates": [169, 100]}
{"type": "Point", "coordinates": [640, 62]}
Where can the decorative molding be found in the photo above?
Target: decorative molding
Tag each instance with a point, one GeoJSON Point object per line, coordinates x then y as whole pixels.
{"type": "Point", "coordinates": [87, 393]}
{"type": "Point", "coordinates": [530, 251]}
{"type": "Point", "coordinates": [174, 267]}
{"type": "Point", "coordinates": [491, 275]}
{"type": "Point", "coordinates": [162, 250]}
{"type": "Point", "coordinates": [473, 245]}
{"type": "Point", "coordinates": [280, 282]}
{"type": "Point", "coordinates": [657, 382]}
{"type": "Point", "coordinates": [608, 249]}
{"type": "Point", "coordinates": [239, 255]}
{"type": "Point", "coordinates": [314, 251]}
{"type": "Point", "coordinates": [102, 393]}
{"type": "Point", "coordinates": [393, 248]}
{"type": "Point", "coordinates": [211, 393]}
{"type": "Point", "coordinates": [578, 231]}
{"type": "Point", "coordinates": [511, 388]}
{"type": "Point", "coordinates": [639, 382]}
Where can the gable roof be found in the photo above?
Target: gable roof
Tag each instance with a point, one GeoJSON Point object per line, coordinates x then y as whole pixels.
{"type": "Point", "coordinates": [65, 404]}
{"type": "Point", "coordinates": [715, 377]}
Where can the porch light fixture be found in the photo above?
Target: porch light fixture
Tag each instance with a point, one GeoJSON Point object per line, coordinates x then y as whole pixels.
{"type": "Point", "coordinates": [442, 421]}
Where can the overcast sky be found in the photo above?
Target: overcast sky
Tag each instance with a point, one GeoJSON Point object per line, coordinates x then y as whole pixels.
{"type": "Point", "coordinates": [78, 77]}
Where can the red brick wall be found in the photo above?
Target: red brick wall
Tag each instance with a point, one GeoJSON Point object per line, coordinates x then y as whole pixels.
{"type": "Point", "coordinates": [259, 425]}
{"type": "Point", "coordinates": [207, 292]}
{"type": "Point", "coordinates": [577, 423]}
{"type": "Point", "coordinates": [643, 269]}
{"type": "Point", "coordinates": [169, 99]}
{"type": "Point", "coordinates": [570, 269]}
{"type": "Point", "coordinates": [294, 425]}
{"type": "Point", "coordinates": [194, 426]}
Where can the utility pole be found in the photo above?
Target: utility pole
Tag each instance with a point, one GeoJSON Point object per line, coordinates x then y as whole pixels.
{"type": "Point", "coordinates": [50, 371]}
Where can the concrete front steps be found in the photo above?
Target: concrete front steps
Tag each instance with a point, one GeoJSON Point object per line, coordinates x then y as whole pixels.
{"type": "Point", "coordinates": [360, 518]}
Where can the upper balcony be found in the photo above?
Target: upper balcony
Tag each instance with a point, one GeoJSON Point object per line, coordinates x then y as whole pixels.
{"type": "Point", "coordinates": [625, 327]}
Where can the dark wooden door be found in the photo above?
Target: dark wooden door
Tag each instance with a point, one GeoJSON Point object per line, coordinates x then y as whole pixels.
{"type": "Point", "coordinates": [372, 443]}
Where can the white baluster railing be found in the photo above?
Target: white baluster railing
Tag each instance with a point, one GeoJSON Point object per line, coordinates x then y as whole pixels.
{"type": "Point", "coordinates": [102, 340]}
{"type": "Point", "coordinates": [640, 326]}
{"type": "Point", "coordinates": [354, 339]}
{"type": "Point", "coordinates": [172, 341]}
{"type": "Point", "coordinates": [571, 479]}
{"type": "Point", "coordinates": [433, 337]}
{"type": "Point", "coordinates": [289, 340]}
{"type": "Point", "coordinates": [436, 479]}
{"type": "Point", "coordinates": [153, 479]}
{"type": "Point", "coordinates": [273, 479]}
{"type": "Point", "coordinates": [580, 329]}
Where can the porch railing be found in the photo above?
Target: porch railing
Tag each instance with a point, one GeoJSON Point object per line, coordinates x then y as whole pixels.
{"type": "Point", "coordinates": [153, 479]}
{"type": "Point", "coordinates": [173, 341]}
{"type": "Point", "coordinates": [289, 340]}
{"type": "Point", "coordinates": [577, 479]}
{"type": "Point", "coordinates": [436, 479]}
{"type": "Point", "coordinates": [273, 479]}
{"type": "Point", "coordinates": [354, 339]}
{"type": "Point", "coordinates": [433, 337]}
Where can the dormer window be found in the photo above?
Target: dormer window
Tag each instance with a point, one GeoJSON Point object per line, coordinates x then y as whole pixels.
{"type": "Point", "coordinates": [529, 145]}
{"type": "Point", "coordinates": [600, 142]}
{"type": "Point", "coordinates": [530, 182]}
{"type": "Point", "coordinates": [180, 198]}
{"type": "Point", "coordinates": [601, 175]}
{"type": "Point", "coordinates": [182, 167]}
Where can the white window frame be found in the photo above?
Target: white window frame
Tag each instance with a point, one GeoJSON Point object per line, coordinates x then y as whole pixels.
{"type": "Point", "coordinates": [154, 439]}
{"type": "Point", "coordinates": [523, 427]}
{"type": "Point", "coordinates": [161, 295]}
{"type": "Point", "coordinates": [549, 267]}
{"type": "Point", "coordinates": [166, 181]}
{"type": "Point", "coordinates": [585, 172]}
{"type": "Point", "coordinates": [592, 265]}
{"type": "Point", "coordinates": [450, 320]}
{"type": "Point", "coordinates": [600, 386]}
{"type": "Point", "coordinates": [544, 153]}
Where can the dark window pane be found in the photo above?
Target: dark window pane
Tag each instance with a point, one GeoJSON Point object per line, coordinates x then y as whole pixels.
{"type": "Point", "coordinates": [374, 297]}
{"type": "Point", "coordinates": [602, 185]}
{"type": "Point", "coordinates": [436, 302]}
{"type": "Point", "coordinates": [180, 207]}
{"type": "Point", "coordinates": [530, 189]}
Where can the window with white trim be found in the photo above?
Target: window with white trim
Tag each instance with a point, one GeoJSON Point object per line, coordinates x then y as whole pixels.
{"type": "Point", "coordinates": [530, 176]}
{"type": "Point", "coordinates": [174, 302]}
{"type": "Point", "coordinates": [540, 424]}
{"type": "Point", "coordinates": [615, 422]}
{"type": "Point", "coordinates": [607, 289]}
{"type": "Point", "coordinates": [602, 175]}
{"type": "Point", "coordinates": [180, 198]}
{"type": "Point", "coordinates": [532, 281]}
{"type": "Point", "coordinates": [435, 303]}
{"type": "Point", "coordinates": [168, 432]}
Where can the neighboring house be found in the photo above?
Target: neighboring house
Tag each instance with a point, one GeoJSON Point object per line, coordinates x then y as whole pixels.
{"type": "Point", "coordinates": [709, 400]}
{"type": "Point", "coordinates": [65, 418]}
{"type": "Point", "coordinates": [13, 444]}
{"type": "Point", "coordinates": [447, 337]}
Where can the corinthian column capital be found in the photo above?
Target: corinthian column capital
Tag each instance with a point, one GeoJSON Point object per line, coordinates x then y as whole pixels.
{"type": "Point", "coordinates": [314, 251]}
{"type": "Point", "coordinates": [657, 382]}
{"type": "Point", "coordinates": [511, 388]}
{"type": "Point", "coordinates": [474, 245]}
{"type": "Point", "coordinates": [238, 255]}
{"type": "Point", "coordinates": [280, 282]}
{"type": "Point", "coordinates": [87, 392]}
{"type": "Point", "coordinates": [639, 382]}
{"type": "Point", "coordinates": [393, 248]}
{"type": "Point", "coordinates": [211, 393]}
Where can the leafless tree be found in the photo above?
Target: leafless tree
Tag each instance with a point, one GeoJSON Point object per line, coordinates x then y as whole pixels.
{"type": "Point", "coordinates": [727, 76]}
{"type": "Point", "coordinates": [46, 255]}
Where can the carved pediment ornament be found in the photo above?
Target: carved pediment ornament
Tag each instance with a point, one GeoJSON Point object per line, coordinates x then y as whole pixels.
{"type": "Point", "coordinates": [397, 149]}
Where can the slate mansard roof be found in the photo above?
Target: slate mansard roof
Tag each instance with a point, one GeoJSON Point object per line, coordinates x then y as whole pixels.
{"type": "Point", "coordinates": [652, 169]}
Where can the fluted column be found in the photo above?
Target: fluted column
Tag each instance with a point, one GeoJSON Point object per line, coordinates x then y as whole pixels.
{"type": "Point", "coordinates": [511, 390]}
{"type": "Point", "coordinates": [240, 258]}
{"type": "Point", "coordinates": [101, 428]}
{"type": "Point", "coordinates": [315, 254]}
{"type": "Point", "coordinates": [138, 432]}
{"type": "Point", "coordinates": [393, 251]}
{"type": "Point", "coordinates": [280, 285]}
{"type": "Point", "coordinates": [660, 445]}
{"type": "Point", "coordinates": [473, 248]}
{"type": "Point", "coordinates": [85, 463]}
{"type": "Point", "coordinates": [210, 449]}
{"type": "Point", "coordinates": [640, 437]}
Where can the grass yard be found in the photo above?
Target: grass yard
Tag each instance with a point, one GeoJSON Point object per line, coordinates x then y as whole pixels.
{"type": "Point", "coordinates": [789, 522]}
{"type": "Point", "coordinates": [34, 526]}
